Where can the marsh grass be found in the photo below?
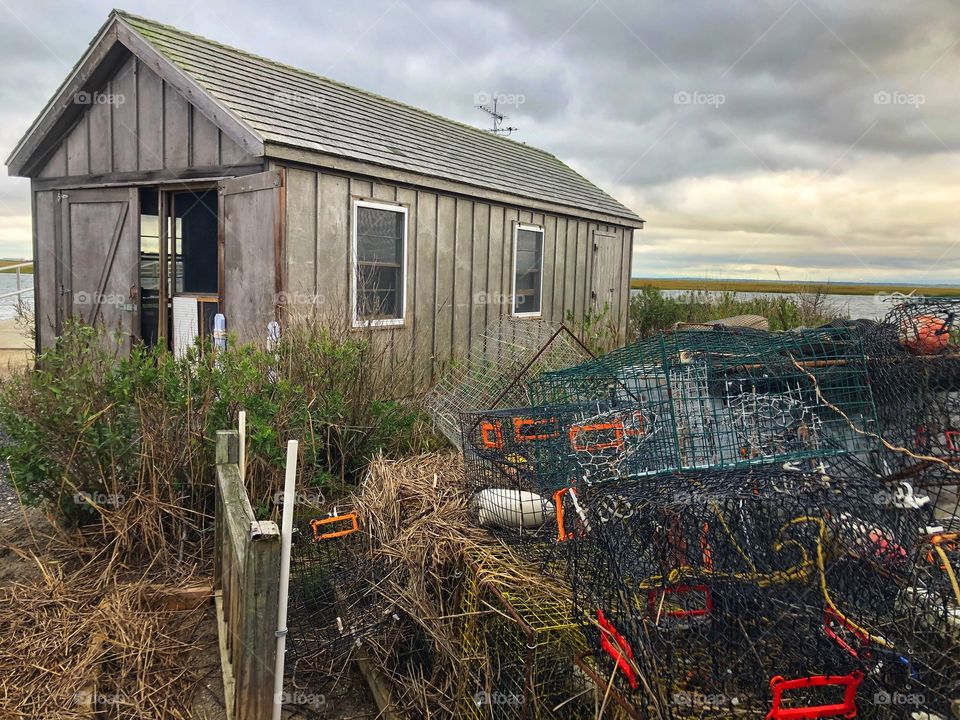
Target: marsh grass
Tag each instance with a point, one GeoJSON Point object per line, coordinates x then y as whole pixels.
{"type": "Point", "coordinates": [651, 311]}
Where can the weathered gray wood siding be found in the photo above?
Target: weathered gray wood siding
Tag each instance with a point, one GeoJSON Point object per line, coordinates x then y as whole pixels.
{"type": "Point", "coordinates": [137, 122]}
{"type": "Point", "coordinates": [459, 261]}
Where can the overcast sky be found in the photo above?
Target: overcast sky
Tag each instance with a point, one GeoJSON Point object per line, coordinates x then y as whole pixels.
{"type": "Point", "coordinates": [805, 139]}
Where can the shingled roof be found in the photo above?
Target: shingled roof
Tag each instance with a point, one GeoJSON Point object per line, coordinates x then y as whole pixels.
{"type": "Point", "coordinates": [288, 107]}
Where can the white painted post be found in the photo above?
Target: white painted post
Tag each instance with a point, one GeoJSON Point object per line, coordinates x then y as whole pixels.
{"type": "Point", "coordinates": [286, 532]}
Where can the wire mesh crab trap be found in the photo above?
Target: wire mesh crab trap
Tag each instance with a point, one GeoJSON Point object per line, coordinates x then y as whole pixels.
{"type": "Point", "coordinates": [495, 374]}
{"type": "Point", "coordinates": [915, 375]}
{"type": "Point", "coordinates": [520, 650]}
{"type": "Point", "coordinates": [718, 399]}
{"type": "Point", "coordinates": [755, 592]}
{"type": "Point", "coordinates": [333, 604]}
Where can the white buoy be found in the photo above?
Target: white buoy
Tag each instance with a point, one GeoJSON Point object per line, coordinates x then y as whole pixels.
{"type": "Point", "coordinates": [506, 508]}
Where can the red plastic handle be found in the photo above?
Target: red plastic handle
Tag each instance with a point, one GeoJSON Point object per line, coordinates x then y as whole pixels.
{"type": "Point", "coordinates": [619, 654]}
{"type": "Point", "coordinates": [847, 708]}
{"type": "Point", "coordinates": [831, 620]}
{"type": "Point", "coordinates": [653, 600]}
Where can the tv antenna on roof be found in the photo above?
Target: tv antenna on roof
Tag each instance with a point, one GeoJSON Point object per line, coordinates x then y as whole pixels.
{"type": "Point", "coordinates": [498, 119]}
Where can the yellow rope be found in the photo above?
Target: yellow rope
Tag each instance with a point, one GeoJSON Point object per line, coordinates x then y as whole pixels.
{"type": "Point", "coordinates": [948, 569]}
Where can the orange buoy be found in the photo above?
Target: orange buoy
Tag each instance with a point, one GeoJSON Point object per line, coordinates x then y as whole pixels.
{"type": "Point", "coordinates": [925, 334]}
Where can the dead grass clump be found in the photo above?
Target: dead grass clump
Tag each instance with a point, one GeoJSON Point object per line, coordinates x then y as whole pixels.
{"type": "Point", "coordinates": [416, 515]}
{"type": "Point", "coordinates": [76, 646]}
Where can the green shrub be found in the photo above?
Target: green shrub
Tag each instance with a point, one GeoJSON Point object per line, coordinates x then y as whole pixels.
{"type": "Point", "coordinates": [129, 442]}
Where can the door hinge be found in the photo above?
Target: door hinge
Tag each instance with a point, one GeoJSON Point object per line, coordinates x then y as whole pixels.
{"type": "Point", "coordinates": [61, 196]}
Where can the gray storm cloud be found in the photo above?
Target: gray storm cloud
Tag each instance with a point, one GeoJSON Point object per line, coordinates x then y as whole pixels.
{"type": "Point", "coordinates": [808, 138]}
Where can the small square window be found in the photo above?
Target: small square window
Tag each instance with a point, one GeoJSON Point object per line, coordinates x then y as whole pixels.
{"type": "Point", "coordinates": [527, 269]}
{"type": "Point", "coordinates": [379, 267]}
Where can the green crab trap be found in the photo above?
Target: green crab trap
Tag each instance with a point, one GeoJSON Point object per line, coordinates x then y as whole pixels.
{"type": "Point", "coordinates": [915, 376]}
{"type": "Point", "coordinates": [333, 604]}
{"type": "Point", "coordinates": [716, 399]}
{"type": "Point", "coordinates": [765, 592]}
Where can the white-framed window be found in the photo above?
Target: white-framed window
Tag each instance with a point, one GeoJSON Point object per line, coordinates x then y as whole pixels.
{"type": "Point", "coordinates": [527, 270]}
{"type": "Point", "coordinates": [379, 264]}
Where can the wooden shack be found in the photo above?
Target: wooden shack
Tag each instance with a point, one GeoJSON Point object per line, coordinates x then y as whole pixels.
{"type": "Point", "coordinates": [173, 177]}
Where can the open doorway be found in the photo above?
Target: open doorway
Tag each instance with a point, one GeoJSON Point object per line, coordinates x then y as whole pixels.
{"type": "Point", "coordinates": [180, 275]}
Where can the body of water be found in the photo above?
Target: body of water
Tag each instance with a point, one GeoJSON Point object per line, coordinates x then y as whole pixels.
{"type": "Point", "coordinates": [872, 307]}
{"type": "Point", "coordinates": [8, 283]}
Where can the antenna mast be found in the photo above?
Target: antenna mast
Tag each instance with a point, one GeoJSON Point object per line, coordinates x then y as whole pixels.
{"type": "Point", "coordinates": [498, 119]}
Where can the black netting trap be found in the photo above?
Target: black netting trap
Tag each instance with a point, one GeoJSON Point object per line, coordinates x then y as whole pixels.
{"type": "Point", "coordinates": [333, 604]}
{"type": "Point", "coordinates": [716, 399]}
{"type": "Point", "coordinates": [752, 591]}
{"type": "Point", "coordinates": [915, 375]}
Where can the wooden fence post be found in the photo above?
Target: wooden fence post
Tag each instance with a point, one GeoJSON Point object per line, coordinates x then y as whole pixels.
{"type": "Point", "coordinates": [247, 582]}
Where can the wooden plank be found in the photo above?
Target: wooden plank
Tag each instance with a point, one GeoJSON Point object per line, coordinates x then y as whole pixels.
{"type": "Point", "coordinates": [361, 189]}
{"type": "Point", "coordinates": [559, 269]}
{"type": "Point", "coordinates": [549, 223]}
{"type": "Point", "coordinates": [125, 118]}
{"type": "Point", "coordinates": [176, 129]}
{"type": "Point", "coordinates": [511, 217]}
{"type": "Point", "coordinates": [446, 246]}
{"type": "Point", "coordinates": [584, 248]}
{"type": "Point", "coordinates": [495, 252]}
{"type": "Point", "coordinates": [480, 277]}
{"type": "Point", "coordinates": [333, 246]}
{"type": "Point", "coordinates": [152, 177]}
{"type": "Point", "coordinates": [44, 271]}
{"type": "Point", "coordinates": [78, 154]}
{"type": "Point", "coordinates": [229, 682]}
{"type": "Point", "coordinates": [56, 166]}
{"type": "Point", "coordinates": [231, 153]}
{"type": "Point", "coordinates": [462, 278]}
{"type": "Point", "coordinates": [101, 136]}
{"type": "Point", "coordinates": [423, 271]}
{"type": "Point", "coordinates": [626, 273]}
{"type": "Point", "coordinates": [379, 688]}
{"type": "Point", "coordinates": [381, 191]}
{"type": "Point", "coordinates": [301, 238]}
{"type": "Point", "coordinates": [403, 346]}
{"type": "Point", "coordinates": [249, 207]}
{"type": "Point", "coordinates": [149, 119]}
{"type": "Point", "coordinates": [261, 587]}
{"type": "Point", "coordinates": [204, 141]}
{"type": "Point", "coordinates": [570, 271]}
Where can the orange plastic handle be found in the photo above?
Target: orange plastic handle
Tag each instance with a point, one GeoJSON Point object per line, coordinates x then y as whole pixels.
{"type": "Point", "coordinates": [562, 534]}
{"type": "Point", "coordinates": [315, 525]}
{"type": "Point", "coordinates": [487, 427]}
{"type": "Point", "coordinates": [617, 442]}
{"type": "Point", "coordinates": [520, 423]}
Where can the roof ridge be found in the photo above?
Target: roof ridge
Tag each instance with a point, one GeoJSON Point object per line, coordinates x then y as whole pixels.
{"type": "Point", "coordinates": [285, 66]}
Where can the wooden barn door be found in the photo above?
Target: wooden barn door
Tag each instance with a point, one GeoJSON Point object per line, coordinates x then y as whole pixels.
{"type": "Point", "coordinates": [605, 280]}
{"type": "Point", "coordinates": [251, 212]}
{"type": "Point", "coordinates": [98, 244]}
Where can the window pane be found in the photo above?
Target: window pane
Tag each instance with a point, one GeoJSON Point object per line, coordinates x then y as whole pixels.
{"type": "Point", "coordinates": [380, 275]}
{"type": "Point", "coordinates": [377, 295]}
{"type": "Point", "coordinates": [379, 235]}
{"type": "Point", "coordinates": [529, 262]}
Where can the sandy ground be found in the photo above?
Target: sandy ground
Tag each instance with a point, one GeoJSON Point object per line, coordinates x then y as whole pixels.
{"type": "Point", "coordinates": [16, 346]}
